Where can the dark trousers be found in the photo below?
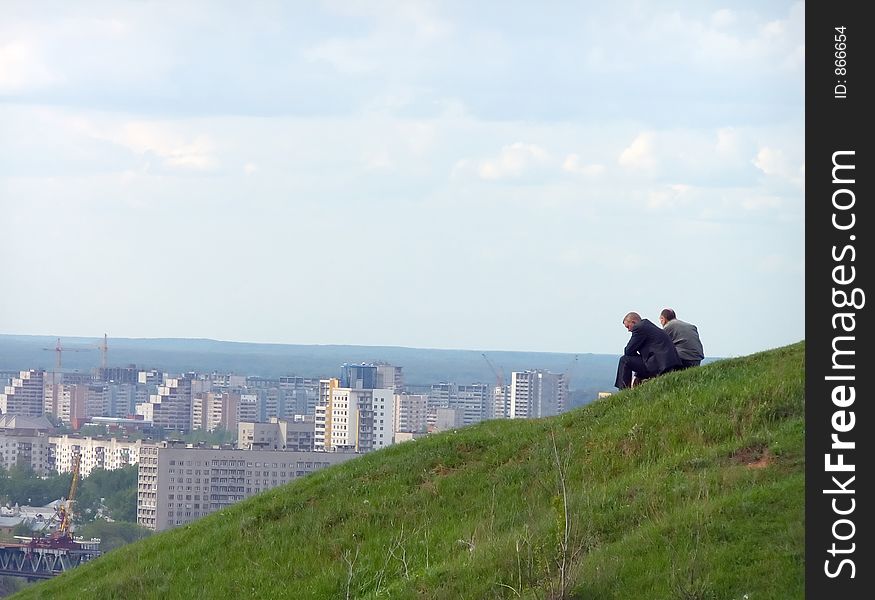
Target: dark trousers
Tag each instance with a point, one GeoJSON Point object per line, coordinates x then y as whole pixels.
{"type": "Point", "coordinates": [686, 364]}
{"type": "Point", "coordinates": [627, 365]}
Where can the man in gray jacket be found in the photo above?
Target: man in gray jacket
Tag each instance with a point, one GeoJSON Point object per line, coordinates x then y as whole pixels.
{"type": "Point", "coordinates": [685, 337]}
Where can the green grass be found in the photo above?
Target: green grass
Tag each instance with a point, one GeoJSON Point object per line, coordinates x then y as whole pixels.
{"type": "Point", "coordinates": [689, 486]}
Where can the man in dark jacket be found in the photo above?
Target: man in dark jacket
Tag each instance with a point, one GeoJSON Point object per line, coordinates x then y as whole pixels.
{"type": "Point", "coordinates": [650, 352]}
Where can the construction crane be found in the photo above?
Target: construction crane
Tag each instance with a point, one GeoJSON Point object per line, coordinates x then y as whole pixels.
{"type": "Point", "coordinates": [58, 349]}
{"type": "Point", "coordinates": [104, 349]}
{"type": "Point", "coordinates": [499, 374]}
{"type": "Point", "coordinates": [62, 537]}
{"type": "Point", "coordinates": [570, 368]}
{"type": "Point", "coordinates": [65, 510]}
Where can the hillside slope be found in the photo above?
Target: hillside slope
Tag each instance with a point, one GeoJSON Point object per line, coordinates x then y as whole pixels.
{"type": "Point", "coordinates": [689, 486]}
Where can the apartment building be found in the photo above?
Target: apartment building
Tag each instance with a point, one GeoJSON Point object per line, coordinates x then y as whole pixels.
{"type": "Point", "coordinates": [537, 393]}
{"type": "Point", "coordinates": [389, 377]}
{"type": "Point", "coordinates": [170, 407]}
{"type": "Point", "coordinates": [24, 442]}
{"type": "Point", "coordinates": [178, 483]}
{"type": "Point", "coordinates": [216, 410]}
{"type": "Point", "coordinates": [295, 435]}
{"type": "Point", "coordinates": [25, 396]}
{"type": "Point", "coordinates": [475, 402]}
{"type": "Point", "coordinates": [355, 420]}
{"type": "Point", "coordinates": [94, 453]}
{"type": "Point", "coordinates": [411, 413]}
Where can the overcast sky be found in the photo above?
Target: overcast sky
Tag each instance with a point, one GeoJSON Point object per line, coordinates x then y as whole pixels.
{"type": "Point", "coordinates": [481, 175]}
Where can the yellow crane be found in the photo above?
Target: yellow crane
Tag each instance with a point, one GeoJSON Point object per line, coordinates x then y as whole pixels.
{"type": "Point", "coordinates": [62, 537]}
{"type": "Point", "coordinates": [65, 510]}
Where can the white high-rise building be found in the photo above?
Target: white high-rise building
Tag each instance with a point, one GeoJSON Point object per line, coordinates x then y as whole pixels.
{"type": "Point", "coordinates": [354, 420]}
{"type": "Point", "coordinates": [500, 396]}
{"type": "Point", "coordinates": [473, 402]}
{"type": "Point", "coordinates": [537, 393]}
{"type": "Point", "coordinates": [171, 407]}
{"type": "Point", "coordinates": [94, 453]}
{"type": "Point", "coordinates": [25, 396]}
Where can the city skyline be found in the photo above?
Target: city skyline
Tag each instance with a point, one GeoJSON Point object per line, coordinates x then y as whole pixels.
{"type": "Point", "coordinates": [423, 175]}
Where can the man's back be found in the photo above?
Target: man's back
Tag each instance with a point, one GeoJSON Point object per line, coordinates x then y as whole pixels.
{"type": "Point", "coordinates": [685, 337]}
{"type": "Point", "coordinates": [655, 347]}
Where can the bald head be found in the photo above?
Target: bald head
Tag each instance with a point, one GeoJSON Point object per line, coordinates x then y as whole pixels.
{"type": "Point", "coordinates": [631, 319]}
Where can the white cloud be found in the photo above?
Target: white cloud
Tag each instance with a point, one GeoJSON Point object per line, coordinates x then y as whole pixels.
{"type": "Point", "coordinates": [379, 160]}
{"type": "Point", "coordinates": [669, 196]}
{"type": "Point", "coordinates": [347, 56]}
{"type": "Point", "coordinates": [761, 202]}
{"type": "Point", "coordinates": [723, 18]}
{"type": "Point", "coordinates": [399, 31]}
{"type": "Point", "coordinates": [513, 161]}
{"type": "Point", "coordinates": [715, 42]}
{"type": "Point", "coordinates": [772, 263]}
{"type": "Point", "coordinates": [572, 164]}
{"type": "Point", "coordinates": [727, 141]}
{"type": "Point", "coordinates": [250, 168]}
{"type": "Point", "coordinates": [175, 149]}
{"type": "Point", "coordinates": [639, 154]}
{"type": "Point", "coordinates": [419, 137]}
{"type": "Point", "coordinates": [773, 29]}
{"type": "Point", "coordinates": [21, 68]}
{"type": "Point", "coordinates": [770, 161]}
{"type": "Point", "coordinates": [774, 163]}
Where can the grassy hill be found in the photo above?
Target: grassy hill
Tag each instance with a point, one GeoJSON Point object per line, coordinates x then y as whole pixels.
{"type": "Point", "coordinates": [689, 486]}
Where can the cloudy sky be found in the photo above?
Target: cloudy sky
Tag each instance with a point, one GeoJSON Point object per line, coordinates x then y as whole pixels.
{"type": "Point", "coordinates": [482, 175]}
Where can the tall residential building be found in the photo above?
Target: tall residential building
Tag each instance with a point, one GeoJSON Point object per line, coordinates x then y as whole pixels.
{"type": "Point", "coordinates": [389, 377]}
{"type": "Point", "coordinates": [178, 484]}
{"type": "Point", "coordinates": [214, 410]}
{"type": "Point", "coordinates": [474, 402]}
{"type": "Point", "coordinates": [97, 397]}
{"type": "Point", "coordinates": [411, 413]}
{"type": "Point", "coordinates": [171, 407]}
{"type": "Point", "coordinates": [68, 403]}
{"type": "Point", "coordinates": [300, 396]}
{"type": "Point", "coordinates": [354, 419]}
{"type": "Point", "coordinates": [122, 399]}
{"type": "Point", "coordinates": [151, 377]}
{"type": "Point", "coordinates": [358, 377]}
{"type": "Point", "coordinates": [25, 396]}
{"type": "Point", "coordinates": [24, 442]}
{"type": "Point", "coordinates": [537, 393]}
{"type": "Point", "coordinates": [500, 402]}
{"type": "Point", "coordinates": [284, 397]}
{"type": "Point", "coordinates": [323, 419]}
{"type": "Point", "coordinates": [129, 374]}
{"type": "Point", "coordinates": [6, 377]}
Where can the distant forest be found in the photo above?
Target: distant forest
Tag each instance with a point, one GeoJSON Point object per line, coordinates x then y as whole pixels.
{"type": "Point", "coordinates": [589, 373]}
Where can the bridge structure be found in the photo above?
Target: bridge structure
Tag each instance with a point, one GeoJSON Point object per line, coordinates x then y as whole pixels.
{"type": "Point", "coordinates": [42, 561]}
